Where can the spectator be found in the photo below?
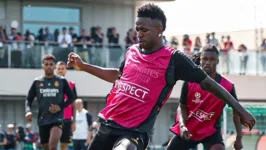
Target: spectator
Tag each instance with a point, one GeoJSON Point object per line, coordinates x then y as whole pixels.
{"type": "Point", "coordinates": [20, 137]}
{"type": "Point", "coordinates": [113, 37]}
{"type": "Point", "coordinates": [64, 39]}
{"type": "Point", "coordinates": [3, 36]}
{"type": "Point", "coordinates": [37, 143]}
{"type": "Point", "coordinates": [56, 34]}
{"type": "Point", "coordinates": [73, 35]}
{"type": "Point", "coordinates": [98, 39]}
{"type": "Point", "coordinates": [13, 35]}
{"type": "Point", "coordinates": [243, 59]}
{"type": "Point", "coordinates": [187, 43]}
{"type": "Point", "coordinates": [82, 135]}
{"type": "Point", "coordinates": [29, 138]}
{"type": "Point", "coordinates": [40, 36]}
{"type": "Point", "coordinates": [48, 37]}
{"type": "Point", "coordinates": [207, 40]}
{"type": "Point", "coordinates": [11, 138]}
{"type": "Point", "coordinates": [29, 38]}
{"type": "Point", "coordinates": [213, 40]}
{"type": "Point", "coordinates": [3, 139]}
{"type": "Point", "coordinates": [263, 55]}
{"type": "Point", "coordinates": [197, 45]}
{"type": "Point", "coordinates": [174, 42]}
{"type": "Point", "coordinates": [130, 38]}
{"type": "Point", "coordinates": [165, 41]}
{"type": "Point", "coordinates": [84, 42]}
{"type": "Point", "coordinates": [228, 46]}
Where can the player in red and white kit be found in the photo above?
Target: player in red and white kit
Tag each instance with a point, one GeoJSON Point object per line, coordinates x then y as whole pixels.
{"type": "Point", "coordinates": [198, 118]}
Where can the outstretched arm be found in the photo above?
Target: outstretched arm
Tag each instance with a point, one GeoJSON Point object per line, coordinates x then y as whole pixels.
{"type": "Point", "coordinates": [107, 74]}
{"type": "Point", "coordinates": [182, 108]}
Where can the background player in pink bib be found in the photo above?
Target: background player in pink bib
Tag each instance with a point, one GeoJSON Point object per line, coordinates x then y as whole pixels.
{"type": "Point", "coordinates": [199, 113]}
{"type": "Point", "coordinates": [144, 83]}
{"type": "Point", "coordinates": [69, 112]}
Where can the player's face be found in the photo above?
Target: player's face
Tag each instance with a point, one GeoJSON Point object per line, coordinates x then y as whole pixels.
{"type": "Point", "coordinates": [146, 32]}
{"type": "Point", "coordinates": [48, 67]}
{"type": "Point", "coordinates": [60, 70]}
{"type": "Point", "coordinates": [79, 105]}
{"type": "Point", "coordinates": [209, 61]}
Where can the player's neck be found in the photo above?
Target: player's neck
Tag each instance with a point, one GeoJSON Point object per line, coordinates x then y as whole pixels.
{"type": "Point", "coordinates": [49, 76]}
{"type": "Point", "coordinates": [213, 75]}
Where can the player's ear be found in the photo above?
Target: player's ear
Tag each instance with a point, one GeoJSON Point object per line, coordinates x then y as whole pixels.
{"type": "Point", "coordinates": [159, 30]}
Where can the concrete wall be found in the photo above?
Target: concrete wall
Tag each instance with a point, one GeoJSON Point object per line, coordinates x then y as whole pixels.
{"type": "Point", "coordinates": [120, 16]}
{"type": "Point", "coordinates": [18, 81]}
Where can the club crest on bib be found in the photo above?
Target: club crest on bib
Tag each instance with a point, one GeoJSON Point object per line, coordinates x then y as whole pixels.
{"type": "Point", "coordinates": [197, 99]}
{"type": "Point", "coordinates": [56, 84]}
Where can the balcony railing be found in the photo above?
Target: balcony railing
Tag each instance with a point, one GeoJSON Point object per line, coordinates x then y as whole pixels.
{"type": "Point", "coordinates": [21, 54]}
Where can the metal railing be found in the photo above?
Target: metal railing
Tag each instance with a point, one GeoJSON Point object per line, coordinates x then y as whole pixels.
{"type": "Point", "coordinates": [22, 54]}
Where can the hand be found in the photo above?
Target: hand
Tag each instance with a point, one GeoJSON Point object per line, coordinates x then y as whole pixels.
{"type": "Point", "coordinates": [74, 61]}
{"type": "Point", "coordinates": [28, 116]}
{"type": "Point", "coordinates": [88, 142]}
{"type": "Point", "coordinates": [238, 144]}
{"type": "Point", "coordinates": [73, 126]}
{"type": "Point", "coordinates": [185, 133]}
{"type": "Point", "coordinates": [247, 119]}
{"type": "Point", "coordinates": [54, 108]}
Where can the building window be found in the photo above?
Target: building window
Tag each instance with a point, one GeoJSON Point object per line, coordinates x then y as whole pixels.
{"type": "Point", "coordinates": [36, 17]}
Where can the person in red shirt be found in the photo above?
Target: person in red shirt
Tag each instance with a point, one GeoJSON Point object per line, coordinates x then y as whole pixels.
{"type": "Point", "coordinates": [187, 43]}
{"type": "Point", "coordinates": [199, 114]}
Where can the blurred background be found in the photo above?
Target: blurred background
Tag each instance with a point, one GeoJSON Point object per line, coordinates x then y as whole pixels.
{"type": "Point", "coordinates": [100, 32]}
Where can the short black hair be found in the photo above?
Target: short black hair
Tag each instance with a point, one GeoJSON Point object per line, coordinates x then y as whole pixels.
{"type": "Point", "coordinates": [48, 57]}
{"type": "Point", "coordinates": [210, 48]}
{"type": "Point", "coordinates": [152, 11]}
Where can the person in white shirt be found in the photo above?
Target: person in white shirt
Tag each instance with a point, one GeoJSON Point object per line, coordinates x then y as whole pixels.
{"type": "Point", "coordinates": [82, 134]}
{"type": "Point", "coordinates": [64, 39]}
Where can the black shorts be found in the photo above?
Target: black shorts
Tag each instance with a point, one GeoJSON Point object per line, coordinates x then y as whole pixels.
{"type": "Point", "coordinates": [178, 143]}
{"type": "Point", "coordinates": [108, 138]}
{"type": "Point", "coordinates": [66, 132]}
{"type": "Point", "coordinates": [44, 131]}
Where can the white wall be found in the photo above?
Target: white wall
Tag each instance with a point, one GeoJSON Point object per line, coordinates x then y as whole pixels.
{"type": "Point", "coordinates": [18, 81]}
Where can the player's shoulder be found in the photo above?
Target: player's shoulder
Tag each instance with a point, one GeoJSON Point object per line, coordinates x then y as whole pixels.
{"type": "Point", "coordinates": [71, 82]}
{"type": "Point", "coordinates": [226, 79]}
{"type": "Point", "coordinates": [59, 77]}
{"type": "Point", "coordinates": [39, 78]}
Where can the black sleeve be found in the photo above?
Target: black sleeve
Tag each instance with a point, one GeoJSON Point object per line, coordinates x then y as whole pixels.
{"type": "Point", "coordinates": [186, 69]}
{"type": "Point", "coordinates": [69, 93]}
{"type": "Point", "coordinates": [122, 65]}
{"type": "Point", "coordinates": [89, 119]}
{"type": "Point", "coordinates": [184, 93]}
{"type": "Point", "coordinates": [75, 92]}
{"type": "Point", "coordinates": [233, 92]}
{"type": "Point", "coordinates": [30, 97]}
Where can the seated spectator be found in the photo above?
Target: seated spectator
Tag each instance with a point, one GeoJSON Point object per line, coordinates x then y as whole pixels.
{"type": "Point", "coordinates": [98, 38]}
{"type": "Point", "coordinates": [29, 138]}
{"type": "Point", "coordinates": [174, 42]}
{"type": "Point", "coordinates": [113, 37]}
{"type": "Point", "coordinates": [40, 36]}
{"type": "Point", "coordinates": [20, 137]}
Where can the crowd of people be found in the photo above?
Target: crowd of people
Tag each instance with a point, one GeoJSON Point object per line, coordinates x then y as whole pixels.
{"type": "Point", "coordinates": [142, 85]}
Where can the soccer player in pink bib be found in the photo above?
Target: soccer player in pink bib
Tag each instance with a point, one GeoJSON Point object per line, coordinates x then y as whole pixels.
{"type": "Point", "coordinates": [143, 83]}
{"type": "Point", "coordinates": [198, 119]}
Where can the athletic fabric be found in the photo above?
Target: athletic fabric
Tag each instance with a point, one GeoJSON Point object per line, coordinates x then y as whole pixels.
{"type": "Point", "coordinates": [49, 91]}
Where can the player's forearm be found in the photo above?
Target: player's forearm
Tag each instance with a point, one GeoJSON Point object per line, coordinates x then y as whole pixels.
{"type": "Point", "coordinates": [213, 87]}
{"type": "Point", "coordinates": [238, 125]}
{"type": "Point", "coordinates": [182, 114]}
{"type": "Point", "coordinates": [68, 102]}
{"type": "Point", "coordinates": [107, 74]}
{"type": "Point", "coordinates": [28, 106]}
